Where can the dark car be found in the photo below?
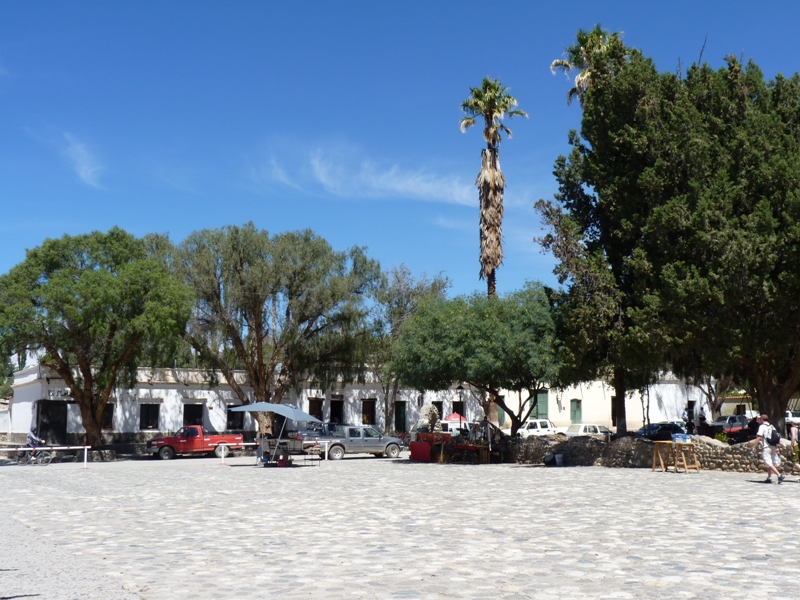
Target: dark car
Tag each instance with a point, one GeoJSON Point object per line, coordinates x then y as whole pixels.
{"type": "Point", "coordinates": [660, 431]}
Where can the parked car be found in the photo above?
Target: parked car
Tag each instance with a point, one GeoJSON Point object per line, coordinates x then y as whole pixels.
{"type": "Point", "coordinates": [792, 416]}
{"type": "Point", "coordinates": [730, 423]}
{"type": "Point", "coordinates": [577, 429]}
{"type": "Point", "coordinates": [745, 434]}
{"type": "Point", "coordinates": [355, 439]}
{"type": "Point", "coordinates": [458, 427]}
{"type": "Point", "coordinates": [660, 431]}
{"type": "Point", "coordinates": [193, 439]}
{"type": "Point", "coordinates": [537, 427]}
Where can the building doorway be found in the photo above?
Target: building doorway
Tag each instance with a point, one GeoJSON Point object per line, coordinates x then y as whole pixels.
{"type": "Point", "coordinates": [52, 421]}
{"type": "Point", "coordinates": [575, 414]}
{"type": "Point", "coordinates": [337, 411]}
{"type": "Point", "coordinates": [400, 416]}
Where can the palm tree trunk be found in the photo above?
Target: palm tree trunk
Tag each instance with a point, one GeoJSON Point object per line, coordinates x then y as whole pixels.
{"type": "Point", "coordinates": [491, 183]}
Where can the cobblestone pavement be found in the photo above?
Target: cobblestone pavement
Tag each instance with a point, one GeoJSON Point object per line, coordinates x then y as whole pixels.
{"type": "Point", "coordinates": [372, 528]}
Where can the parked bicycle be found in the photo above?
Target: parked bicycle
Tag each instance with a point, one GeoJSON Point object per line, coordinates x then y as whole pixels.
{"type": "Point", "coordinates": [34, 456]}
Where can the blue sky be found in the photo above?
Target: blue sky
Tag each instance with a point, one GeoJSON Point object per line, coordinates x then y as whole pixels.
{"type": "Point", "coordinates": [338, 116]}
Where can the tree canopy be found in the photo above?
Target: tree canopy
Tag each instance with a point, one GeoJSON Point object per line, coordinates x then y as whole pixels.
{"type": "Point", "coordinates": [677, 228]}
{"type": "Point", "coordinates": [283, 307]}
{"type": "Point", "coordinates": [396, 300]}
{"type": "Point", "coordinates": [87, 303]}
{"type": "Point", "coordinates": [488, 342]}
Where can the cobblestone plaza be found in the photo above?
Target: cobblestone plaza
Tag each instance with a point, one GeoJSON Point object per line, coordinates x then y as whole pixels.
{"type": "Point", "coordinates": [376, 528]}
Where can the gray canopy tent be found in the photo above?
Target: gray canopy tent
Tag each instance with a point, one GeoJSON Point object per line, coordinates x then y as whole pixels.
{"type": "Point", "coordinates": [285, 410]}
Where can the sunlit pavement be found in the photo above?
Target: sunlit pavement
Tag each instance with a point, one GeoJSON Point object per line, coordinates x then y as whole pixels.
{"type": "Point", "coordinates": [377, 528]}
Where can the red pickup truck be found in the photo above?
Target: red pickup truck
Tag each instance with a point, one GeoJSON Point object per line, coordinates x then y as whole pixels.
{"type": "Point", "coordinates": [192, 439]}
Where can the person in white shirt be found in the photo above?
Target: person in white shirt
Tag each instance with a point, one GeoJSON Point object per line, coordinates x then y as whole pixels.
{"type": "Point", "coordinates": [769, 452]}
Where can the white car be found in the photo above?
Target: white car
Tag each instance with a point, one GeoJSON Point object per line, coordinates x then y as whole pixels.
{"type": "Point", "coordinates": [792, 416]}
{"type": "Point", "coordinates": [537, 427]}
{"type": "Point", "coordinates": [577, 429]}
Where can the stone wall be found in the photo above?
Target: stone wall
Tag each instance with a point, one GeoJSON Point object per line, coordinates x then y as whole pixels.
{"type": "Point", "coordinates": [631, 452]}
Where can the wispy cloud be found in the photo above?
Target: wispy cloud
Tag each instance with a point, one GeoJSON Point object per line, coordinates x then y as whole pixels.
{"type": "Point", "coordinates": [460, 225]}
{"type": "Point", "coordinates": [82, 161]}
{"type": "Point", "coordinates": [342, 171]}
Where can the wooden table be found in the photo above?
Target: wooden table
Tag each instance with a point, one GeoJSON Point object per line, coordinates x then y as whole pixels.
{"type": "Point", "coordinates": [678, 455]}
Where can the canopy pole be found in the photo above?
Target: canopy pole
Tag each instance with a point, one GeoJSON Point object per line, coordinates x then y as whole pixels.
{"type": "Point", "coordinates": [278, 441]}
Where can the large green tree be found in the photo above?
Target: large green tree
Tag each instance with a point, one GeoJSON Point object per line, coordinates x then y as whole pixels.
{"type": "Point", "coordinates": [492, 103]}
{"type": "Point", "coordinates": [677, 225]}
{"type": "Point", "coordinates": [722, 244]}
{"type": "Point", "coordinates": [396, 300]}
{"type": "Point", "coordinates": [491, 343]}
{"type": "Point", "coordinates": [595, 226]}
{"type": "Point", "coordinates": [86, 304]}
{"type": "Point", "coordinates": [284, 308]}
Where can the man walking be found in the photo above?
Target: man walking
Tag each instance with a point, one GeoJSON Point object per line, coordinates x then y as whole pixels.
{"type": "Point", "coordinates": [769, 452]}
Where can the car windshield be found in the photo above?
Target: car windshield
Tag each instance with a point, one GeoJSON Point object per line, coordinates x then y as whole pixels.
{"type": "Point", "coordinates": [574, 428]}
{"type": "Point", "coordinates": [721, 420]}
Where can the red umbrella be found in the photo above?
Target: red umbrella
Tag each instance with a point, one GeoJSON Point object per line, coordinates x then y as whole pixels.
{"type": "Point", "coordinates": [455, 417]}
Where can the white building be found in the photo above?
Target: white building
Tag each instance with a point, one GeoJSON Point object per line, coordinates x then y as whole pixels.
{"type": "Point", "coordinates": [164, 400]}
{"type": "Point", "coordinates": [590, 402]}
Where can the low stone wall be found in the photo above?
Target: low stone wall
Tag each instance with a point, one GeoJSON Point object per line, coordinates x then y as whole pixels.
{"type": "Point", "coordinates": [631, 452]}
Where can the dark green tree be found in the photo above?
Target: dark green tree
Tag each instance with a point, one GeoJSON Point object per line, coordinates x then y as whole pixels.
{"type": "Point", "coordinates": [87, 303]}
{"type": "Point", "coordinates": [491, 343]}
{"type": "Point", "coordinates": [721, 247]}
{"type": "Point", "coordinates": [595, 225]}
{"type": "Point", "coordinates": [676, 227]}
{"type": "Point", "coordinates": [6, 378]}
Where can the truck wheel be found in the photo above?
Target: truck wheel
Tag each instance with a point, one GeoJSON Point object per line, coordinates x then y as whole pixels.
{"type": "Point", "coordinates": [166, 453]}
{"type": "Point", "coordinates": [335, 453]}
{"type": "Point", "coordinates": [392, 451]}
{"type": "Point", "coordinates": [221, 450]}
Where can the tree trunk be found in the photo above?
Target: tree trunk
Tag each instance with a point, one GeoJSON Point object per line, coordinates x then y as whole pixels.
{"type": "Point", "coordinates": [91, 424]}
{"type": "Point", "coordinates": [491, 284]}
{"type": "Point", "coordinates": [619, 400]}
{"type": "Point", "coordinates": [490, 183]}
{"type": "Point", "coordinates": [392, 404]}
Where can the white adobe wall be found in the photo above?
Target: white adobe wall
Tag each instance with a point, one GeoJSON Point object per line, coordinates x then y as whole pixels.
{"type": "Point", "coordinates": [27, 390]}
{"type": "Point", "coordinates": [668, 399]}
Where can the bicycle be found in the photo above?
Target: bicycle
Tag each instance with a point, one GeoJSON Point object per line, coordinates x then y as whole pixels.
{"type": "Point", "coordinates": [34, 456]}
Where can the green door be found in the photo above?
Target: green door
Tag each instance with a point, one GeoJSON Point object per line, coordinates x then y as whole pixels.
{"type": "Point", "coordinates": [541, 406]}
{"type": "Point", "coordinates": [575, 410]}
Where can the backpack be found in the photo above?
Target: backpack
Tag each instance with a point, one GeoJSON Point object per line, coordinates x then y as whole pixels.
{"type": "Point", "coordinates": [774, 438]}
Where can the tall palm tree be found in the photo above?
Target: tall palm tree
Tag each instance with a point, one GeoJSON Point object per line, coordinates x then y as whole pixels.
{"type": "Point", "coordinates": [590, 55]}
{"type": "Point", "coordinates": [491, 102]}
